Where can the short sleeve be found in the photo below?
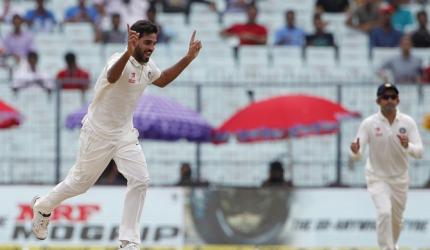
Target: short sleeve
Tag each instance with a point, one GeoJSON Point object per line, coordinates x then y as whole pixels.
{"type": "Point", "coordinates": [29, 15]}
{"type": "Point", "coordinates": [156, 72]}
{"type": "Point", "coordinates": [113, 59]}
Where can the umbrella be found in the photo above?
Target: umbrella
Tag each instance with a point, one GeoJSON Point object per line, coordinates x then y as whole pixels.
{"type": "Point", "coordinates": [283, 117]}
{"type": "Point", "coordinates": [9, 117]}
{"type": "Point", "coordinates": [160, 118]}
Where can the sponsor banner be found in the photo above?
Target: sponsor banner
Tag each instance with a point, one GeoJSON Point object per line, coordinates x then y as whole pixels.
{"type": "Point", "coordinates": [203, 247]}
{"type": "Point", "coordinates": [332, 218]}
{"type": "Point", "coordinates": [92, 218]}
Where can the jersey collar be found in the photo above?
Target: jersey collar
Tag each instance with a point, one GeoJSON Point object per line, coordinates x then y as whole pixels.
{"type": "Point", "coordinates": [382, 117]}
{"type": "Point", "coordinates": [135, 62]}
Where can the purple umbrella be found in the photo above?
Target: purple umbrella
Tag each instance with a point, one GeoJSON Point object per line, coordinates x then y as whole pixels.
{"type": "Point", "coordinates": [160, 118]}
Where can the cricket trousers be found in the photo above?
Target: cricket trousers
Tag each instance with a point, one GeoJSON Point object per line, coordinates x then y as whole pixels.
{"type": "Point", "coordinates": [95, 152]}
{"type": "Point", "coordinates": [389, 197]}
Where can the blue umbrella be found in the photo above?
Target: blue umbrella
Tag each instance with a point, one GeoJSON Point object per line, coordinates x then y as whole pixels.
{"type": "Point", "coordinates": [160, 118]}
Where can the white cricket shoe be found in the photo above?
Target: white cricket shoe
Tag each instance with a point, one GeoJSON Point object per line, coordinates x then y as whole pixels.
{"type": "Point", "coordinates": [129, 246]}
{"type": "Point", "coordinates": [39, 224]}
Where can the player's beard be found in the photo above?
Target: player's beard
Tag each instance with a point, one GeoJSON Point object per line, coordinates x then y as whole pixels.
{"type": "Point", "coordinates": [139, 55]}
{"type": "Point", "coordinates": [389, 108]}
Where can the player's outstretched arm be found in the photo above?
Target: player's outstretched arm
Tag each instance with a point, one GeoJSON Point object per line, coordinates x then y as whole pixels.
{"type": "Point", "coordinates": [114, 73]}
{"type": "Point", "coordinates": [171, 73]}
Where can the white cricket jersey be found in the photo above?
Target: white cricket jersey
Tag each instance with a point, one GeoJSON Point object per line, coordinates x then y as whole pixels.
{"type": "Point", "coordinates": [387, 157]}
{"type": "Point", "coordinates": [111, 111]}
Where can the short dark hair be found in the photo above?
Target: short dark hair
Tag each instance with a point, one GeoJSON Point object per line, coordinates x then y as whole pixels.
{"type": "Point", "coordinates": [290, 11]}
{"type": "Point", "coordinates": [144, 27]}
{"type": "Point", "coordinates": [276, 166]}
{"type": "Point", "coordinates": [421, 13]}
{"type": "Point", "coordinates": [115, 14]}
{"type": "Point", "coordinates": [70, 57]}
{"type": "Point", "coordinates": [317, 16]}
{"type": "Point", "coordinates": [33, 54]}
{"type": "Point", "coordinates": [251, 6]}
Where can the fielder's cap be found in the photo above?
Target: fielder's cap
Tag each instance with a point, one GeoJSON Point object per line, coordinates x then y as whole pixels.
{"type": "Point", "coordinates": [386, 86]}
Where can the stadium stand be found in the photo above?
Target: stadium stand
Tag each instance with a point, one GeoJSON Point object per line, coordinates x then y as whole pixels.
{"type": "Point", "coordinates": [347, 75]}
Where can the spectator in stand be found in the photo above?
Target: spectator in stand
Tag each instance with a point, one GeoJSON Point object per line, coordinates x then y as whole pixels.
{"type": "Point", "coordinates": [81, 13]}
{"type": "Point", "coordinates": [365, 17]}
{"type": "Point", "coordinates": [238, 5]}
{"type": "Point", "coordinates": [2, 50]}
{"type": "Point", "coordinates": [73, 76]}
{"type": "Point", "coordinates": [426, 75]}
{"type": "Point", "coordinates": [164, 35]}
{"type": "Point", "coordinates": [115, 34]}
{"type": "Point", "coordinates": [184, 6]}
{"type": "Point", "coordinates": [186, 177]}
{"type": "Point", "coordinates": [28, 74]}
{"type": "Point", "coordinates": [384, 35]}
{"type": "Point", "coordinates": [402, 18]}
{"type": "Point", "coordinates": [320, 37]}
{"type": "Point", "coordinates": [4, 64]}
{"type": "Point", "coordinates": [421, 36]}
{"type": "Point", "coordinates": [129, 10]}
{"type": "Point", "coordinates": [8, 11]}
{"type": "Point", "coordinates": [40, 19]}
{"type": "Point", "coordinates": [185, 173]}
{"type": "Point", "coordinates": [290, 35]}
{"type": "Point", "coordinates": [249, 33]}
{"type": "Point", "coordinates": [332, 6]}
{"type": "Point", "coordinates": [404, 68]}
{"type": "Point", "coordinates": [276, 176]}
{"type": "Point", "coordinates": [19, 42]}
{"type": "Point", "coordinates": [422, 2]}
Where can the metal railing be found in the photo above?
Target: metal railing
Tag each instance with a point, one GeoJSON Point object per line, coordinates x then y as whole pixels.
{"type": "Point", "coordinates": [42, 150]}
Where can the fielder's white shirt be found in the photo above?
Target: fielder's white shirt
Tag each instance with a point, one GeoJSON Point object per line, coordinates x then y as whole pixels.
{"type": "Point", "coordinates": [387, 157]}
{"type": "Point", "coordinates": [111, 111]}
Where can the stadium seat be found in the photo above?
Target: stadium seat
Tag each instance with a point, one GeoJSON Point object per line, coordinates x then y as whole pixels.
{"type": "Point", "coordinates": [288, 56]}
{"type": "Point", "coordinates": [111, 48]}
{"type": "Point", "coordinates": [253, 55]}
{"type": "Point", "coordinates": [423, 53]}
{"type": "Point", "coordinates": [324, 57]}
{"type": "Point", "coordinates": [380, 55]}
{"type": "Point", "coordinates": [229, 19]}
{"type": "Point", "coordinates": [350, 56]}
{"type": "Point", "coordinates": [78, 32]}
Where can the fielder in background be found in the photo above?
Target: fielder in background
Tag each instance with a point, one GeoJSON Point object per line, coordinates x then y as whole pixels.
{"type": "Point", "coordinates": [108, 133]}
{"type": "Point", "coordinates": [391, 136]}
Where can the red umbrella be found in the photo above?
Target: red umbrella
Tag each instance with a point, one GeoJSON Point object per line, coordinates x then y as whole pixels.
{"type": "Point", "coordinates": [9, 117]}
{"type": "Point", "coordinates": [284, 117]}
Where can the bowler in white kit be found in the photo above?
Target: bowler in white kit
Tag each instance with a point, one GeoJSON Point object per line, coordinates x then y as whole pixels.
{"type": "Point", "coordinates": [391, 136]}
{"type": "Point", "coordinates": [108, 133]}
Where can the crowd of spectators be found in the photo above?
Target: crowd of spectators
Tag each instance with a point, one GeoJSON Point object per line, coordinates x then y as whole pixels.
{"type": "Point", "coordinates": [387, 24]}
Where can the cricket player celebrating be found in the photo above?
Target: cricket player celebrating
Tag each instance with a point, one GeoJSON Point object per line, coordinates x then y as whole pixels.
{"type": "Point", "coordinates": [391, 137]}
{"type": "Point", "coordinates": [107, 132]}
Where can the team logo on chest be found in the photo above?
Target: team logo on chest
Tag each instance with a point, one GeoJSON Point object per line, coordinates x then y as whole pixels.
{"type": "Point", "coordinates": [149, 74]}
{"type": "Point", "coordinates": [378, 131]}
{"type": "Point", "coordinates": [402, 130]}
{"type": "Point", "coordinates": [132, 77]}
